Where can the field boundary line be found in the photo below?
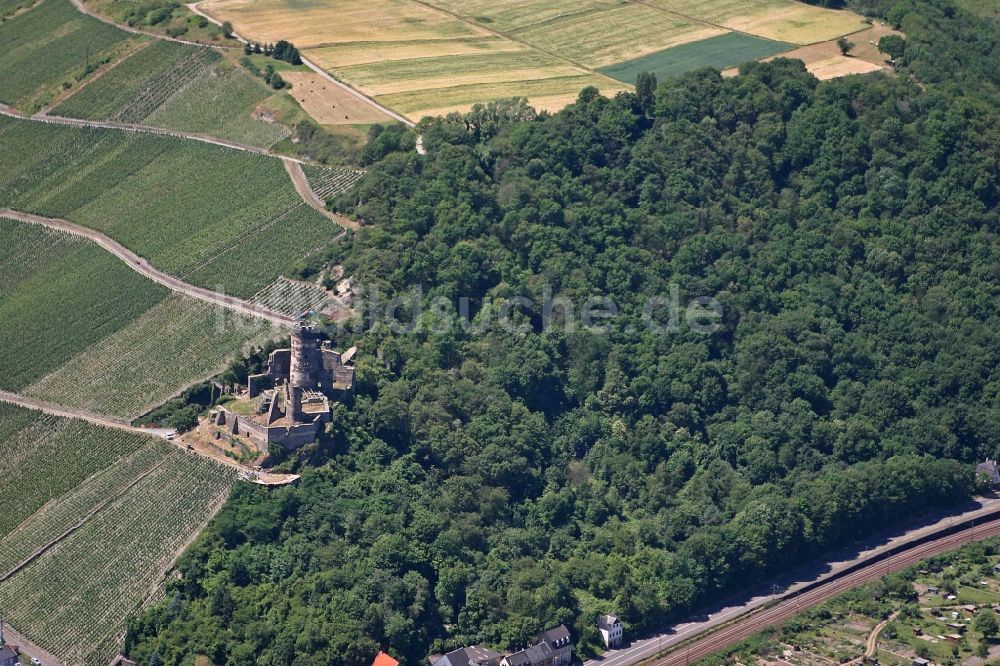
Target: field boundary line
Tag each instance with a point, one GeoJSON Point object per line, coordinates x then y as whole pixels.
{"type": "Point", "coordinates": [792, 45]}
{"type": "Point", "coordinates": [305, 190]}
{"type": "Point", "coordinates": [513, 38]}
{"type": "Point", "coordinates": [143, 267]}
{"type": "Point", "coordinates": [41, 550]}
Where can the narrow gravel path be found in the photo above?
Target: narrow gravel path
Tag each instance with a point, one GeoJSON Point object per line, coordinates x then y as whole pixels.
{"type": "Point", "coordinates": [302, 186]}
{"type": "Point", "coordinates": [141, 266]}
{"type": "Point", "coordinates": [135, 31]}
{"type": "Point", "coordinates": [142, 129]}
{"type": "Point", "coordinates": [66, 412]}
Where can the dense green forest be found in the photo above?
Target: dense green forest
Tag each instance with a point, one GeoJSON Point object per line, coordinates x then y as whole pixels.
{"type": "Point", "coordinates": [484, 485]}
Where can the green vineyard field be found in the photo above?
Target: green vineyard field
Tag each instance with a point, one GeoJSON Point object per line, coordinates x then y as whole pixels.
{"type": "Point", "coordinates": [83, 330]}
{"type": "Point", "coordinates": [173, 345]}
{"type": "Point", "coordinates": [180, 87]}
{"type": "Point", "coordinates": [51, 456]}
{"type": "Point", "coordinates": [61, 295]}
{"type": "Point", "coordinates": [201, 212]}
{"type": "Point", "coordinates": [135, 503]}
{"type": "Point", "coordinates": [39, 60]}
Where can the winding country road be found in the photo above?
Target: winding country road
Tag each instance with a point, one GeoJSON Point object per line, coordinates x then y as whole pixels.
{"type": "Point", "coordinates": [141, 266]}
{"type": "Point", "coordinates": [692, 641]}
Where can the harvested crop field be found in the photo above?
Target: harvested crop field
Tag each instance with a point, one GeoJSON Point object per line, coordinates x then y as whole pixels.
{"type": "Point", "coordinates": [722, 51]}
{"type": "Point", "coordinates": [329, 104]}
{"type": "Point", "coordinates": [540, 94]}
{"type": "Point", "coordinates": [613, 35]}
{"type": "Point", "coordinates": [779, 20]}
{"type": "Point", "coordinates": [309, 23]}
{"type": "Point", "coordinates": [472, 51]}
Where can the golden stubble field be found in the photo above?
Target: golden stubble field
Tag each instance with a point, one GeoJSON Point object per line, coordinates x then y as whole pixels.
{"type": "Point", "coordinates": [425, 57]}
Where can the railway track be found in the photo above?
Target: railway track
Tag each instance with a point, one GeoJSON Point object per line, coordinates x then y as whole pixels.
{"type": "Point", "coordinates": [751, 623]}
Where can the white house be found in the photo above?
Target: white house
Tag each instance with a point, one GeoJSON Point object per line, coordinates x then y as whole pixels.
{"type": "Point", "coordinates": [611, 631]}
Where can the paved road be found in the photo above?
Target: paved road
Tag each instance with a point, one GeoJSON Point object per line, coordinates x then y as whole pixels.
{"type": "Point", "coordinates": [738, 620]}
{"type": "Point", "coordinates": [302, 186]}
{"type": "Point", "coordinates": [141, 266]}
{"type": "Point", "coordinates": [780, 612]}
{"type": "Point", "coordinates": [28, 649]}
{"type": "Point", "coordinates": [142, 129]}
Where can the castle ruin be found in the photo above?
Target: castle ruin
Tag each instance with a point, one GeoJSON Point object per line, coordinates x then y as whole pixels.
{"type": "Point", "coordinates": [290, 403]}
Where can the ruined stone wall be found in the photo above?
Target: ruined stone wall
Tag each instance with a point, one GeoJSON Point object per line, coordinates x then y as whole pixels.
{"type": "Point", "coordinates": [279, 364]}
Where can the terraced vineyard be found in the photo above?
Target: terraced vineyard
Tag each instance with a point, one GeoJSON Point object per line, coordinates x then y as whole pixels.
{"type": "Point", "coordinates": [291, 296]}
{"type": "Point", "coordinates": [137, 505]}
{"type": "Point", "coordinates": [51, 456]}
{"type": "Point", "coordinates": [61, 295]}
{"type": "Point", "coordinates": [40, 61]}
{"type": "Point", "coordinates": [180, 87]}
{"type": "Point", "coordinates": [64, 513]}
{"type": "Point", "coordinates": [83, 330]}
{"type": "Point", "coordinates": [172, 345]}
{"type": "Point", "coordinates": [201, 212]}
{"type": "Point", "coordinates": [328, 182]}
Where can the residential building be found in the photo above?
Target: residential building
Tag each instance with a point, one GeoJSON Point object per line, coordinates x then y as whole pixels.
{"type": "Point", "coordinates": [536, 655]}
{"type": "Point", "coordinates": [8, 657]}
{"type": "Point", "coordinates": [383, 659]}
{"type": "Point", "coordinates": [473, 655]}
{"type": "Point", "coordinates": [554, 648]}
{"type": "Point", "coordinates": [611, 631]}
{"type": "Point", "coordinates": [991, 469]}
{"type": "Point", "coordinates": [560, 644]}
